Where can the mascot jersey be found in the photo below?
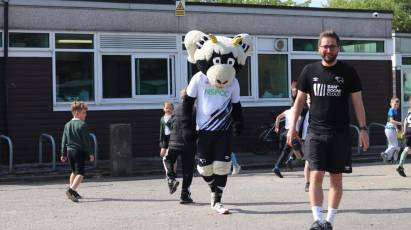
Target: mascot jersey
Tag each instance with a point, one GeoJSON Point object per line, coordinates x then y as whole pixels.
{"type": "Point", "coordinates": [213, 103]}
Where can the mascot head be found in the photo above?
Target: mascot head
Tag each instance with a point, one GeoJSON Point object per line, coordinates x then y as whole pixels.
{"type": "Point", "coordinates": [220, 58]}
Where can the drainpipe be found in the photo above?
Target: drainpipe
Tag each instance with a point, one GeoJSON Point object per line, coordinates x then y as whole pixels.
{"type": "Point", "coordinates": [4, 100]}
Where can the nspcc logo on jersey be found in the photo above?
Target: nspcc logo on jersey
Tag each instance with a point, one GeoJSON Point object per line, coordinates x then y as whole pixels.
{"type": "Point", "coordinates": [216, 92]}
{"type": "Point", "coordinates": [322, 90]}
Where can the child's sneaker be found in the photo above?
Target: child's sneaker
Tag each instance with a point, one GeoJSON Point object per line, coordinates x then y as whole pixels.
{"type": "Point", "coordinates": [78, 196]}
{"type": "Point", "coordinates": [70, 194]}
{"type": "Point", "coordinates": [277, 172]}
{"type": "Point", "coordinates": [173, 185]}
{"type": "Point", "coordinates": [327, 226]}
{"type": "Point", "coordinates": [236, 169]}
{"type": "Point", "coordinates": [384, 157]}
{"type": "Point", "coordinates": [400, 171]}
{"type": "Point", "coordinates": [219, 208]}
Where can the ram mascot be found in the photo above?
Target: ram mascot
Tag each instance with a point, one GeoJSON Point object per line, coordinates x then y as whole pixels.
{"type": "Point", "coordinates": [218, 108]}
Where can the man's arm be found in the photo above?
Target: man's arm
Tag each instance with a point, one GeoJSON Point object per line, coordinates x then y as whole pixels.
{"type": "Point", "coordinates": [360, 114]}
{"type": "Point", "coordinates": [294, 114]}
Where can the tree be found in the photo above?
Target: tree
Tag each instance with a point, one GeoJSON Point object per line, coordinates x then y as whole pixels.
{"type": "Point", "coordinates": [306, 3]}
{"type": "Point", "coordinates": [400, 8]}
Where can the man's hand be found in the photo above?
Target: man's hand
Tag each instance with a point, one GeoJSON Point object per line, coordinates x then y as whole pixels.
{"type": "Point", "coordinates": [291, 135]}
{"type": "Point", "coordinates": [92, 158]}
{"type": "Point", "coordinates": [365, 142]}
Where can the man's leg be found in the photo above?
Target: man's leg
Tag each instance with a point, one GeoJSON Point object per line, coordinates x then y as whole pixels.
{"type": "Point", "coordinates": [334, 195]}
{"type": "Point", "coordinates": [316, 194]}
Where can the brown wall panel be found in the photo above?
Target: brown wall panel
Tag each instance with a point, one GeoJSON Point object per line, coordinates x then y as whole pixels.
{"type": "Point", "coordinates": [30, 110]}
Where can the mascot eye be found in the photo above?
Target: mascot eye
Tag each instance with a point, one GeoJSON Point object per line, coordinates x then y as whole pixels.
{"type": "Point", "coordinates": [231, 61]}
{"type": "Point", "coordinates": [217, 60]}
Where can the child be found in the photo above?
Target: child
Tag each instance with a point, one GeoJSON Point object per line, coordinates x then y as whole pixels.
{"type": "Point", "coordinates": [391, 131]}
{"type": "Point", "coordinates": [75, 146]}
{"type": "Point", "coordinates": [286, 150]}
{"type": "Point", "coordinates": [186, 149]}
{"type": "Point", "coordinates": [165, 130]}
{"type": "Point", "coordinates": [407, 137]}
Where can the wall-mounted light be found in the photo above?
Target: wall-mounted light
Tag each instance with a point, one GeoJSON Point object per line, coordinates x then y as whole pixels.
{"type": "Point", "coordinates": [72, 41]}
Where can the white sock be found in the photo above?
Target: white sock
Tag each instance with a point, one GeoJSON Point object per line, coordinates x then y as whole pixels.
{"type": "Point", "coordinates": [331, 214]}
{"type": "Point", "coordinates": [317, 213]}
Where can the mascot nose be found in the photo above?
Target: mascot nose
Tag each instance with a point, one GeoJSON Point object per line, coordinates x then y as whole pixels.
{"type": "Point", "coordinates": [222, 83]}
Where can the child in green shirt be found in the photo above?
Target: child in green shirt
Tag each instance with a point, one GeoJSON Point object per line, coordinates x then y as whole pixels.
{"type": "Point", "coordinates": [75, 146]}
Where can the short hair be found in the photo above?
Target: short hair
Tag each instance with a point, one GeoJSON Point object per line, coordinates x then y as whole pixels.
{"type": "Point", "coordinates": [78, 106]}
{"type": "Point", "coordinates": [395, 99]}
{"type": "Point", "coordinates": [168, 103]}
{"type": "Point", "coordinates": [329, 34]}
{"type": "Point", "coordinates": [183, 92]}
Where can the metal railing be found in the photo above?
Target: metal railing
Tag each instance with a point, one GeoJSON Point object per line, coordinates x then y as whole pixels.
{"type": "Point", "coordinates": [93, 136]}
{"type": "Point", "coordinates": [357, 130]}
{"type": "Point", "coordinates": [53, 148]}
{"type": "Point", "coordinates": [10, 143]}
{"type": "Point", "coordinates": [374, 124]}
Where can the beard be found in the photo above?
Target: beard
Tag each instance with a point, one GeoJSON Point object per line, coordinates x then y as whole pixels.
{"type": "Point", "coordinates": [329, 59]}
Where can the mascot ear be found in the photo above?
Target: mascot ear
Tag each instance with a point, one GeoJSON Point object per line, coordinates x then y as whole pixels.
{"type": "Point", "coordinates": [246, 43]}
{"type": "Point", "coordinates": [192, 41]}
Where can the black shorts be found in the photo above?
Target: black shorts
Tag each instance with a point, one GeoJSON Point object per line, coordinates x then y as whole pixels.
{"type": "Point", "coordinates": [77, 161]}
{"type": "Point", "coordinates": [329, 152]}
{"type": "Point", "coordinates": [214, 146]}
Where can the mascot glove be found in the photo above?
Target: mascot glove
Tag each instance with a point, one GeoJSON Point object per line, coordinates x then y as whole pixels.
{"type": "Point", "coordinates": [238, 128]}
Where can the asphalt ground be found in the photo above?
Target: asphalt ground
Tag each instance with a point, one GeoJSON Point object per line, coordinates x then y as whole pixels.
{"type": "Point", "coordinates": [375, 197]}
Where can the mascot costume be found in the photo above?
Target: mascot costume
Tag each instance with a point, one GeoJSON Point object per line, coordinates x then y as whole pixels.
{"type": "Point", "coordinates": [216, 92]}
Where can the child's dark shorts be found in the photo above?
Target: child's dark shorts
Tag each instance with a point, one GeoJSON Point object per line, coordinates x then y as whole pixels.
{"type": "Point", "coordinates": [77, 161]}
{"type": "Point", "coordinates": [329, 152]}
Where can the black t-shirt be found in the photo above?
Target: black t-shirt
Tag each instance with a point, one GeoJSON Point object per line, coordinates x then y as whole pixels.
{"type": "Point", "coordinates": [329, 88]}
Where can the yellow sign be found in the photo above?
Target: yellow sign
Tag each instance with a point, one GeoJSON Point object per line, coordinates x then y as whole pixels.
{"type": "Point", "coordinates": [180, 8]}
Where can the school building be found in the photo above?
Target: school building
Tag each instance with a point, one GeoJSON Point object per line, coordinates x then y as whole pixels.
{"type": "Point", "coordinates": [125, 58]}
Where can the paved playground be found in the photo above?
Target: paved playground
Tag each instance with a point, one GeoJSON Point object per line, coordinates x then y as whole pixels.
{"type": "Point", "coordinates": [375, 198]}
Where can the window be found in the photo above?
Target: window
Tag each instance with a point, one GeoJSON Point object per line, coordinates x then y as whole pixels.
{"type": "Point", "coordinates": [406, 60]}
{"type": "Point", "coordinates": [116, 76]}
{"type": "Point", "coordinates": [347, 46]}
{"type": "Point", "coordinates": [74, 66]}
{"type": "Point", "coordinates": [244, 78]}
{"type": "Point", "coordinates": [407, 83]}
{"type": "Point", "coordinates": [29, 40]}
{"type": "Point", "coordinates": [74, 76]}
{"type": "Point", "coordinates": [191, 70]}
{"type": "Point", "coordinates": [305, 44]}
{"type": "Point", "coordinates": [153, 76]}
{"type": "Point", "coordinates": [360, 46]}
{"type": "Point", "coordinates": [273, 76]}
{"type": "Point", "coordinates": [74, 41]}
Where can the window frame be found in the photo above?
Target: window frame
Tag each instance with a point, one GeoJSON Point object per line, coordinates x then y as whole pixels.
{"type": "Point", "coordinates": [57, 104]}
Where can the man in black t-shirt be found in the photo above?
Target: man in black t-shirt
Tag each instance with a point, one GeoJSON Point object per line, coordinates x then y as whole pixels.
{"type": "Point", "coordinates": [330, 83]}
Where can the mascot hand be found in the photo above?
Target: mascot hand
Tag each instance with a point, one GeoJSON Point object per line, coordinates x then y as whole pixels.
{"type": "Point", "coordinates": [238, 128]}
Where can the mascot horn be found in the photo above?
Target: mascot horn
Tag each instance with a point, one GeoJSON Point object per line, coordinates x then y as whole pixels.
{"type": "Point", "coordinates": [218, 108]}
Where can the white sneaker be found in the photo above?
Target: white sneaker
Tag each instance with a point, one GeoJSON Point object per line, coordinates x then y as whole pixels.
{"type": "Point", "coordinates": [236, 169]}
{"type": "Point", "coordinates": [219, 208]}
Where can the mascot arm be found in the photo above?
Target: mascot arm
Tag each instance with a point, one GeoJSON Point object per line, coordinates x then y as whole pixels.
{"type": "Point", "coordinates": [187, 119]}
{"type": "Point", "coordinates": [237, 116]}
